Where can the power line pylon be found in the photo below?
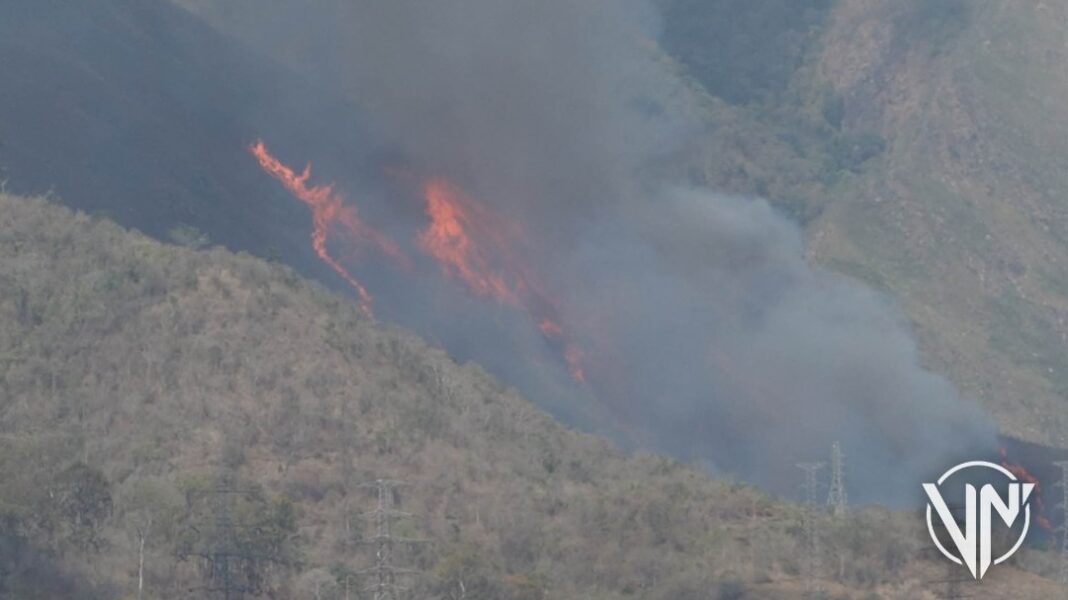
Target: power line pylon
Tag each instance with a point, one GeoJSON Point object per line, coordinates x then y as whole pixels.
{"type": "Point", "coordinates": [1063, 484]}
{"type": "Point", "coordinates": [954, 579]}
{"type": "Point", "coordinates": [811, 561]}
{"type": "Point", "coordinates": [953, 582]}
{"type": "Point", "coordinates": [837, 497]}
{"type": "Point", "coordinates": [384, 572]}
{"type": "Point", "coordinates": [231, 571]}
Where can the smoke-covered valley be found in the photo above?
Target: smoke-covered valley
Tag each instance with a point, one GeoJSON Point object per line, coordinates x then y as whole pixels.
{"type": "Point", "coordinates": [624, 297]}
{"type": "Point", "coordinates": [701, 328]}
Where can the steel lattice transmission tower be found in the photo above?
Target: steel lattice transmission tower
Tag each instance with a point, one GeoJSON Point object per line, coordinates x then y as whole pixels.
{"type": "Point", "coordinates": [954, 579]}
{"type": "Point", "coordinates": [230, 568]}
{"type": "Point", "coordinates": [812, 560]}
{"type": "Point", "coordinates": [384, 572]}
{"type": "Point", "coordinates": [953, 582]}
{"type": "Point", "coordinates": [223, 557]}
{"type": "Point", "coordinates": [837, 497]}
{"type": "Point", "coordinates": [1063, 484]}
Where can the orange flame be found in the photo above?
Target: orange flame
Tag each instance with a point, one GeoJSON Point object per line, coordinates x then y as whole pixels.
{"type": "Point", "coordinates": [328, 209]}
{"type": "Point", "coordinates": [1024, 475]}
{"type": "Point", "coordinates": [477, 247]}
{"type": "Point", "coordinates": [455, 218]}
{"type": "Point", "coordinates": [574, 358]}
{"type": "Point", "coordinates": [550, 328]}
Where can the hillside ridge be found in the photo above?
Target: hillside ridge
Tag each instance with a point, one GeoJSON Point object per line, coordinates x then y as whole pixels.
{"type": "Point", "coordinates": [160, 367]}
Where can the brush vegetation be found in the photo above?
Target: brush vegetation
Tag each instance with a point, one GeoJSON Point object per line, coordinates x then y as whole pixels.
{"type": "Point", "coordinates": [139, 381]}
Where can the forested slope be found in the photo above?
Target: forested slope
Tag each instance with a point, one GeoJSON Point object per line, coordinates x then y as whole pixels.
{"type": "Point", "coordinates": [140, 381]}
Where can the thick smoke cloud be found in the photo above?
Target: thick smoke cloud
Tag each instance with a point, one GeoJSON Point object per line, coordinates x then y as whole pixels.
{"type": "Point", "coordinates": [707, 334]}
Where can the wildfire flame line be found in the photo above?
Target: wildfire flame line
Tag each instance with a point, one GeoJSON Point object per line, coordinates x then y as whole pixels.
{"type": "Point", "coordinates": [454, 218]}
{"type": "Point", "coordinates": [469, 242]}
{"type": "Point", "coordinates": [328, 209]}
{"type": "Point", "coordinates": [1024, 475]}
{"type": "Point", "coordinates": [476, 246]}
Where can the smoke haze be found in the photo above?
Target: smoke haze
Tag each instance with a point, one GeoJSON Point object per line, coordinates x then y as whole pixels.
{"type": "Point", "coordinates": [703, 330]}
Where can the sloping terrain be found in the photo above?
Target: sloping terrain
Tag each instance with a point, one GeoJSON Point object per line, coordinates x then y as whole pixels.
{"type": "Point", "coordinates": [918, 143]}
{"type": "Point", "coordinates": [127, 365]}
{"type": "Point", "coordinates": [922, 145]}
{"type": "Point", "coordinates": [962, 217]}
{"type": "Point", "coordinates": [141, 112]}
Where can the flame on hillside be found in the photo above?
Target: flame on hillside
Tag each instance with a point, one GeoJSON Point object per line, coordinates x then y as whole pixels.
{"type": "Point", "coordinates": [1025, 476]}
{"type": "Point", "coordinates": [329, 210]}
{"type": "Point", "coordinates": [478, 247]}
{"type": "Point", "coordinates": [467, 240]}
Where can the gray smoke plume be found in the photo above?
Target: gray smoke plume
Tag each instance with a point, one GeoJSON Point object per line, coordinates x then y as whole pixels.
{"type": "Point", "coordinates": [707, 334]}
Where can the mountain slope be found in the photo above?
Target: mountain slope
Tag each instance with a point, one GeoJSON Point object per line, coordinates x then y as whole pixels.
{"type": "Point", "coordinates": [140, 112]}
{"type": "Point", "coordinates": [918, 143]}
{"type": "Point", "coordinates": [162, 365]}
{"type": "Point", "coordinates": [962, 217]}
{"type": "Point", "coordinates": [922, 146]}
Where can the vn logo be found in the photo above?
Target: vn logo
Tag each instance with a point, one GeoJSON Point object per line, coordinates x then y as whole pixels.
{"type": "Point", "coordinates": [974, 543]}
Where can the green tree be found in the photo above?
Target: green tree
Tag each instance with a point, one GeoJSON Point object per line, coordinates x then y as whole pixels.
{"type": "Point", "coordinates": [464, 572]}
{"type": "Point", "coordinates": [82, 499]}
